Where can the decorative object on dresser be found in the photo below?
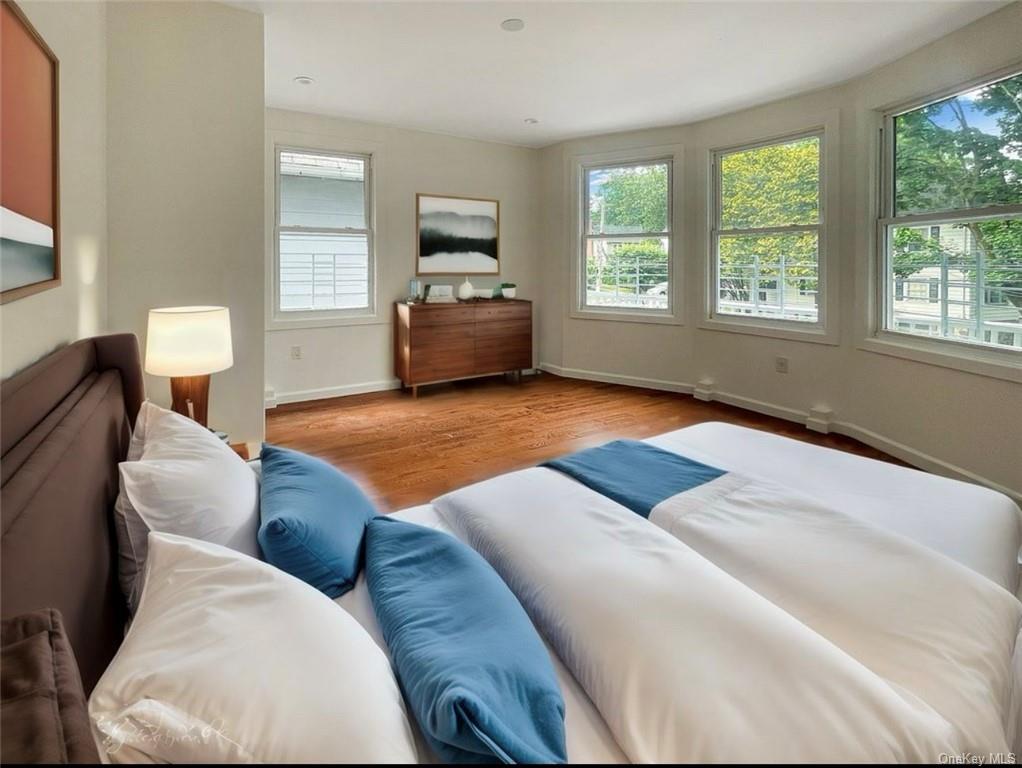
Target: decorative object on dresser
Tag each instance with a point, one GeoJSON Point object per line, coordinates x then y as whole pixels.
{"type": "Point", "coordinates": [188, 344]}
{"type": "Point", "coordinates": [440, 294]}
{"type": "Point", "coordinates": [508, 290]}
{"type": "Point", "coordinates": [457, 235]}
{"type": "Point", "coordinates": [29, 177]}
{"type": "Point", "coordinates": [460, 341]}
{"type": "Point", "coordinates": [466, 290]}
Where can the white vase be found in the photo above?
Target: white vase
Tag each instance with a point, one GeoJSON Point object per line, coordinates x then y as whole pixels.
{"type": "Point", "coordinates": [509, 293]}
{"type": "Point", "coordinates": [466, 291]}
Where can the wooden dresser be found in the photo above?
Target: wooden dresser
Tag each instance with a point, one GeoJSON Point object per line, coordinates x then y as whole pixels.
{"type": "Point", "coordinates": [442, 342]}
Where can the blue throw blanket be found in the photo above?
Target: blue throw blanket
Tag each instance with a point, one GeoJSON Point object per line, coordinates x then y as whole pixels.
{"type": "Point", "coordinates": [474, 671]}
{"type": "Point", "coordinates": [634, 474]}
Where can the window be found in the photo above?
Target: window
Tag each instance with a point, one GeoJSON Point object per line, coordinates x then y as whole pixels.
{"type": "Point", "coordinates": [952, 217]}
{"type": "Point", "coordinates": [767, 230]}
{"type": "Point", "coordinates": [324, 233]}
{"type": "Point", "coordinates": [626, 243]}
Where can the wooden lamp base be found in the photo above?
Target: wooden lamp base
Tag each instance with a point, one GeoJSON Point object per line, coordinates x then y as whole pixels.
{"type": "Point", "coordinates": [190, 396]}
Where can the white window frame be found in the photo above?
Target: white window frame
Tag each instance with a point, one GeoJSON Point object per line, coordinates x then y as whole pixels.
{"type": "Point", "coordinates": [577, 168]}
{"type": "Point", "coordinates": [316, 317]}
{"type": "Point", "coordinates": [995, 362]}
{"type": "Point", "coordinates": [824, 330]}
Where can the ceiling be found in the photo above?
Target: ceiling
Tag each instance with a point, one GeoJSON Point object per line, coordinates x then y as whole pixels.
{"type": "Point", "coordinates": [577, 68]}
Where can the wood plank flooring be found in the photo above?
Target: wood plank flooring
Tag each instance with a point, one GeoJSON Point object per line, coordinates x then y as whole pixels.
{"type": "Point", "coordinates": [408, 451]}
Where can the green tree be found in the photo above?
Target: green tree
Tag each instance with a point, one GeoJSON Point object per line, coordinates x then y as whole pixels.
{"type": "Point", "coordinates": [628, 200]}
{"type": "Point", "coordinates": [946, 161]}
{"type": "Point", "coordinates": [770, 186]}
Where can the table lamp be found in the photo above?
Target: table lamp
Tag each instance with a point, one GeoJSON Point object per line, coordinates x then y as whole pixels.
{"type": "Point", "coordinates": [188, 344]}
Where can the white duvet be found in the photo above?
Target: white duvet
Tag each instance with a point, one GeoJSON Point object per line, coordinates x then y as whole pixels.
{"type": "Point", "coordinates": [745, 623]}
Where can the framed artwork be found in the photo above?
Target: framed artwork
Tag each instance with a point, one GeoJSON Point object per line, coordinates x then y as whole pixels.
{"type": "Point", "coordinates": [457, 235]}
{"type": "Point", "coordinates": [29, 159]}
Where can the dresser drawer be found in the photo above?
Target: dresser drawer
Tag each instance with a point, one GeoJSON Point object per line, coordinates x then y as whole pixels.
{"type": "Point", "coordinates": [423, 314]}
{"type": "Point", "coordinates": [500, 359]}
{"type": "Point", "coordinates": [509, 311]}
{"type": "Point", "coordinates": [443, 361]}
{"type": "Point", "coordinates": [503, 328]}
{"type": "Point", "coordinates": [430, 335]}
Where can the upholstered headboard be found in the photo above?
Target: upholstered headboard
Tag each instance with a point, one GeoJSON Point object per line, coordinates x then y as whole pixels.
{"type": "Point", "coordinates": [65, 423]}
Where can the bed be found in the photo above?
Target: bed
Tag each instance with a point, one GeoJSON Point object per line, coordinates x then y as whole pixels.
{"type": "Point", "coordinates": [974, 526]}
{"type": "Point", "coordinates": [67, 422]}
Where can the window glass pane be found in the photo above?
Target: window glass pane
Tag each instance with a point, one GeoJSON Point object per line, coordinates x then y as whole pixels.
{"type": "Point", "coordinates": [774, 276]}
{"type": "Point", "coordinates": [627, 272]}
{"type": "Point", "coordinates": [771, 186]}
{"type": "Point", "coordinates": [963, 152]}
{"type": "Point", "coordinates": [968, 281]}
{"type": "Point", "coordinates": [322, 191]}
{"type": "Point", "coordinates": [630, 199]}
{"type": "Point", "coordinates": [323, 271]}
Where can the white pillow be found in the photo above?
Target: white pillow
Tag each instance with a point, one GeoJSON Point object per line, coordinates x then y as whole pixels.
{"type": "Point", "coordinates": [181, 478]}
{"type": "Point", "coordinates": [232, 660]}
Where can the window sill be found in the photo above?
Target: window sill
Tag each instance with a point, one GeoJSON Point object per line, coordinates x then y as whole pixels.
{"type": "Point", "coordinates": [994, 363]}
{"type": "Point", "coordinates": [328, 320]}
{"type": "Point", "coordinates": [788, 330]}
{"type": "Point", "coordinates": [626, 316]}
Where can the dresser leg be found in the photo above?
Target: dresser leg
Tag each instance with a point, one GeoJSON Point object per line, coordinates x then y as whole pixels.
{"type": "Point", "coordinates": [415, 391]}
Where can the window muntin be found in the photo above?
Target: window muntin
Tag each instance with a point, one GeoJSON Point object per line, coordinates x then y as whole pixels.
{"type": "Point", "coordinates": [768, 230]}
{"type": "Point", "coordinates": [324, 235]}
{"type": "Point", "coordinates": [626, 243]}
{"type": "Point", "coordinates": [953, 218]}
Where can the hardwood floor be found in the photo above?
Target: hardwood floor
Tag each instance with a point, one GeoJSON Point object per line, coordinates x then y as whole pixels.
{"type": "Point", "coordinates": [408, 451]}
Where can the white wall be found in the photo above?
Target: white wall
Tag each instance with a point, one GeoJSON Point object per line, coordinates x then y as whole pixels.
{"type": "Point", "coordinates": [37, 324]}
{"type": "Point", "coordinates": [942, 419]}
{"type": "Point", "coordinates": [353, 357]}
{"type": "Point", "coordinates": [185, 113]}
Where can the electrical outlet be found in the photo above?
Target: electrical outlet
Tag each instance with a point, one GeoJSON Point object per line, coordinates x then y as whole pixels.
{"type": "Point", "coordinates": [781, 364]}
{"type": "Point", "coordinates": [296, 353]}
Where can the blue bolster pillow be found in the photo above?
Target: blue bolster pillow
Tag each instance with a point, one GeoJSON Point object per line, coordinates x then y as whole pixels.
{"type": "Point", "coordinates": [475, 673]}
{"type": "Point", "coordinates": [313, 519]}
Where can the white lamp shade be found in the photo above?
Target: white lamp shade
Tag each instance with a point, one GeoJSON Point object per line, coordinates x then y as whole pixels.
{"type": "Point", "coordinates": [188, 341]}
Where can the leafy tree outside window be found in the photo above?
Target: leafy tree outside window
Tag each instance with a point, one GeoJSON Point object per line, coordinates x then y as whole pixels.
{"type": "Point", "coordinates": [954, 215]}
{"type": "Point", "coordinates": [627, 238]}
{"type": "Point", "coordinates": [768, 230]}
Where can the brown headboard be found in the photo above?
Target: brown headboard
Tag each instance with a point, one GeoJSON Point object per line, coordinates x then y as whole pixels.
{"type": "Point", "coordinates": [65, 423]}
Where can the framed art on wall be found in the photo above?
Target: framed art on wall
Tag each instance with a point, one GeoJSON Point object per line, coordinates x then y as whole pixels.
{"type": "Point", "coordinates": [29, 159]}
{"type": "Point", "coordinates": [457, 235]}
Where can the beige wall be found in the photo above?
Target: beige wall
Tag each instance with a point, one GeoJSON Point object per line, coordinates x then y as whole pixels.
{"type": "Point", "coordinates": [37, 324]}
{"type": "Point", "coordinates": [342, 359]}
{"type": "Point", "coordinates": [185, 115]}
{"type": "Point", "coordinates": [939, 418]}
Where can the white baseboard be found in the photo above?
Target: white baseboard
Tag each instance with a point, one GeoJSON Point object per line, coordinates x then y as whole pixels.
{"type": "Point", "coordinates": [919, 459]}
{"type": "Point", "coordinates": [617, 378]}
{"type": "Point", "coordinates": [761, 406]}
{"type": "Point", "coordinates": [302, 395]}
{"type": "Point", "coordinates": [810, 419]}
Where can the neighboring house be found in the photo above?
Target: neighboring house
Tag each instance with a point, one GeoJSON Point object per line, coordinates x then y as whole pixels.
{"type": "Point", "coordinates": [941, 300]}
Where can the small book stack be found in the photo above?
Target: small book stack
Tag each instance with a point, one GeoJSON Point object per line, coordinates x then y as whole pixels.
{"type": "Point", "coordinates": [441, 300]}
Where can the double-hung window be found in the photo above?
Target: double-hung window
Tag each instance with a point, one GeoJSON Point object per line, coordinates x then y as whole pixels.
{"type": "Point", "coordinates": [768, 231]}
{"type": "Point", "coordinates": [626, 237]}
{"type": "Point", "coordinates": [951, 219]}
{"type": "Point", "coordinates": [324, 234]}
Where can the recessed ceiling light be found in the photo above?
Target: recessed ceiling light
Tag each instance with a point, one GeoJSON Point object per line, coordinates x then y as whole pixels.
{"type": "Point", "coordinates": [531, 121]}
{"type": "Point", "coordinates": [304, 80]}
{"type": "Point", "coordinates": [512, 25]}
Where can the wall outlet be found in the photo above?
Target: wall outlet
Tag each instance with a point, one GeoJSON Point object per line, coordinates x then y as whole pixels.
{"type": "Point", "coordinates": [781, 364]}
{"type": "Point", "coordinates": [296, 353]}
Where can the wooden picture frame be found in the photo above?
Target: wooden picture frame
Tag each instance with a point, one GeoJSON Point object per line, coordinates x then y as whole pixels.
{"type": "Point", "coordinates": [465, 219]}
{"type": "Point", "coordinates": [30, 157]}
